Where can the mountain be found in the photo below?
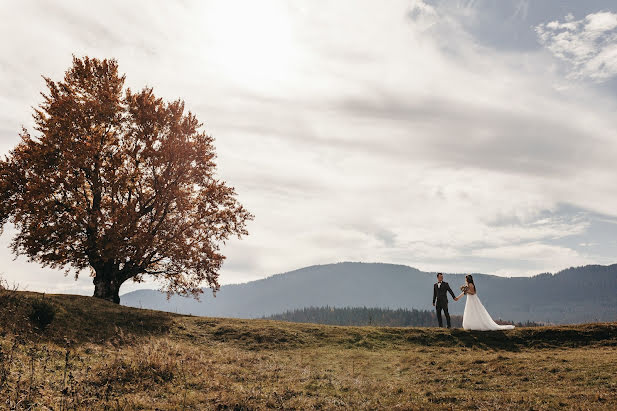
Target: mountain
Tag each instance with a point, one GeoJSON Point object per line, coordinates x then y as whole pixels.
{"type": "Point", "coordinates": [574, 295]}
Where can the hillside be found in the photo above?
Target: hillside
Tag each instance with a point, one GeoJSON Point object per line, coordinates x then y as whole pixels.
{"type": "Point", "coordinates": [83, 320]}
{"type": "Point", "coordinates": [575, 295]}
{"type": "Point", "coordinates": [97, 355]}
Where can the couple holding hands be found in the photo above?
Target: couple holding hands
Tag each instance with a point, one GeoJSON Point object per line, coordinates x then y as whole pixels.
{"type": "Point", "coordinates": [475, 316]}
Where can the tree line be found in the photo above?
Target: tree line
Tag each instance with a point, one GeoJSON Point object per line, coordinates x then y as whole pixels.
{"type": "Point", "coordinates": [361, 316]}
{"type": "Point", "coordinates": [371, 316]}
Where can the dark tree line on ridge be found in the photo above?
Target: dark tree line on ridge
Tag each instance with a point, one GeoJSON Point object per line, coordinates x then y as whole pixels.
{"type": "Point", "coordinates": [361, 316]}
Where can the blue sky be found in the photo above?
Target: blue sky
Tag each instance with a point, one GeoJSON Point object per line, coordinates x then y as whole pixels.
{"type": "Point", "coordinates": [469, 136]}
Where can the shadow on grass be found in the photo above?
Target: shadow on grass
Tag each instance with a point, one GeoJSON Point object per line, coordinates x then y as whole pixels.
{"type": "Point", "coordinates": [603, 334]}
{"type": "Point", "coordinates": [268, 334]}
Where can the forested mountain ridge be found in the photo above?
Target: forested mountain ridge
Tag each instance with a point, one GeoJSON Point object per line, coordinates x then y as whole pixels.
{"type": "Point", "coordinates": [578, 294]}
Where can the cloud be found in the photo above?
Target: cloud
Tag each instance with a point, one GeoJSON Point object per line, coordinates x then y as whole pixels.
{"type": "Point", "coordinates": [355, 130]}
{"type": "Point", "coordinates": [536, 254]}
{"type": "Point", "coordinates": [588, 45]}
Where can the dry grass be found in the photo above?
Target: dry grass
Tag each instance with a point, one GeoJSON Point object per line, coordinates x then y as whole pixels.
{"type": "Point", "coordinates": [123, 358]}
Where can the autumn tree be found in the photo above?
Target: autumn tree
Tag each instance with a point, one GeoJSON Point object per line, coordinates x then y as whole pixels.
{"type": "Point", "coordinates": [119, 182]}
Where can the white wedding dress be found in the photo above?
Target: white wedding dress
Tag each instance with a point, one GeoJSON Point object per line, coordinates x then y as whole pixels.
{"type": "Point", "coordinates": [475, 316]}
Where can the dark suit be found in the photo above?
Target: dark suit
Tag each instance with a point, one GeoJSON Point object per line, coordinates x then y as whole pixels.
{"type": "Point", "coordinates": [440, 299]}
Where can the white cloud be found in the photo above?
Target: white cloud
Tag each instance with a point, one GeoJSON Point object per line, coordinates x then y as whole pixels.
{"type": "Point", "coordinates": [589, 45]}
{"type": "Point", "coordinates": [598, 23]}
{"type": "Point", "coordinates": [352, 130]}
{"type": "Point", "coordinates": [531, 251]}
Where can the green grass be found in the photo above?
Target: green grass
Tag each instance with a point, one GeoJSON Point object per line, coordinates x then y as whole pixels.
{"type": "Point", "coordinates": [97, 355]}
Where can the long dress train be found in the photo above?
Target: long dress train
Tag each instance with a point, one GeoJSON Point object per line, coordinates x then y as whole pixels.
{"type": "Point", "coordinates": [475, 316]}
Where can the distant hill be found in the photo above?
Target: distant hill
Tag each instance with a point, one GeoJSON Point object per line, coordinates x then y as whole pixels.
{"type": "Point", "coordinates": [575, 295]}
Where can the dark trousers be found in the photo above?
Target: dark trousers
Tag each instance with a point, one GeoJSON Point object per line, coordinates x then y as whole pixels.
{"type": "Point", "coordinates": [444, 307]}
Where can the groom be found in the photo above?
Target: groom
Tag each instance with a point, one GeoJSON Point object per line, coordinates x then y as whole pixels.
{"type": "Point", "coordinates": [440, 295]}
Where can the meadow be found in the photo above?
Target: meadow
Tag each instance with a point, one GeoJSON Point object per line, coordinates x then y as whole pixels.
{"type": "Point", "coordinates": [98, 355]}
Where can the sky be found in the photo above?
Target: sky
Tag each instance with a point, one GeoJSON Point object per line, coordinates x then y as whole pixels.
{"type": "Point", "coordinates": [455, 136]}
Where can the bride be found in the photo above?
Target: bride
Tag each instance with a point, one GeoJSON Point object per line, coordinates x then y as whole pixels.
{"type": "Point", "coordinates": [475, 316]}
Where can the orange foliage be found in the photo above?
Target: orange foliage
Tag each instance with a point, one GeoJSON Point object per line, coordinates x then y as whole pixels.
{"type": "Point", "coordinates": [121, 182]}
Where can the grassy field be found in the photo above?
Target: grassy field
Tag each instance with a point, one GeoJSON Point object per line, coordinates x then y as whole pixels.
{"type": "Point", "coordinates": [97, 355]}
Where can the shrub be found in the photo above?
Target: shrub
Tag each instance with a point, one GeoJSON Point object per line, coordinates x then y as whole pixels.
{"type": "Point", "coordinates": [42, 314]}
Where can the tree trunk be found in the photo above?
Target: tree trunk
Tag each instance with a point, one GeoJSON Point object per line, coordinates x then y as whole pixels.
{"type": "Point", "coordinates": [107, 287]}
{"type": "Point", "coordinates": [107, 290]}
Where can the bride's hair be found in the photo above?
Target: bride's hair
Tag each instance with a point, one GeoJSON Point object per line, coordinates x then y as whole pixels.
{"type": "Point", "coordinates": [469, 279]}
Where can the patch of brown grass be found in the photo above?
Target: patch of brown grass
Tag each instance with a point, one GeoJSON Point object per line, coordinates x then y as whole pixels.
{"type": "Point", "coordinates": [209, 363]}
